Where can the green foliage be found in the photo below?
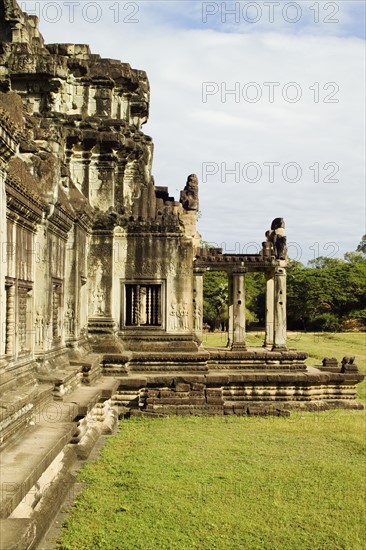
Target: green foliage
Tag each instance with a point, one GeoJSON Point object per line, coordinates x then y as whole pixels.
{"type": "Point", "coordinates": [325, 295]}
{"type": "Point", "coordinates": [328, 295]}
{"type": "Point", "coordinates": [215, 299]}
{"type": "Point", "coordinates": [362, 246]}
{"type": "Point", "coordinates": [323, 262]}
{"type": "Point", "coordinates": [216, 296]}
{"type": "Point", "coordinates": [353, 257]}
{"type": "Point", "coordinates": [326, 322]}
{"type": "Point", "coordinates": [255, 298]}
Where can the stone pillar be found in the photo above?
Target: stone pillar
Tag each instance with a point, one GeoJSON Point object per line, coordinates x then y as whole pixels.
{"type": "Point", "coordinates": [10, 321]}
{"type": "Point", "coordinates": [230, 311]}
{"type": "Point", "coordinates": [268, 340]}
{"type": "Point", "coordinates": [3, 256]}
{"type": "Point", "coordinates": [198, 305]}
{"type": "Point", "coordinates": [279, 341]}
{"type": "Point", "coordinates": [237, 310]}
{"type": "Point", "coordinates": [86, 162]}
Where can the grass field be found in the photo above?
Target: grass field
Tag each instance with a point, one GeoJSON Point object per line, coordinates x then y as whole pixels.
{"type": "Point", "coordinates": [230, 483]}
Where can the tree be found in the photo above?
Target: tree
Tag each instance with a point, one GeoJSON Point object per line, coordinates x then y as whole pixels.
{"type": "Point", "coordinates": [362, 246]}
{"type": "Point", "coordinates": [327, 294]}
{"type": "Point", "coordinates": [215, 299]}
{"type": "Point", "coordinates": [323, 261]}
{"type": "Point", "coordinates": [255, 298]}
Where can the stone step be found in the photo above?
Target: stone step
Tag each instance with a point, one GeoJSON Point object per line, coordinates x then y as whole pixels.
{"type": "Point", "coordinates": [90, 367]}
{"type": "Point", "coordinates": [17, 534]}
{"type": "Point", "coordinates": [36, 468]}
{"type": "Point", "coordinates": [86, 397]}
{"type": "Point", "coordinates": [161, 368]}
{"type": "Point", "coordinates": [19, 405]}
{"type": "Point", "coordinates": [64, 381]}
{"type": "Point", "coordinates": [25, 460]}
{"type": "Point", "coordinates": [52, 427]}
{"type": "Point", "coordinates": [8, 381]}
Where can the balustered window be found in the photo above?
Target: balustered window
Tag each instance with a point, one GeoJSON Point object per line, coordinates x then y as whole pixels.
{"type": "Point", "coordinates": [143, 305]}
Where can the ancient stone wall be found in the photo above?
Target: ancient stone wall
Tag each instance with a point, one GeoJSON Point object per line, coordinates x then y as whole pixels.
{"type": "Point", "coordinates": [95, 248]}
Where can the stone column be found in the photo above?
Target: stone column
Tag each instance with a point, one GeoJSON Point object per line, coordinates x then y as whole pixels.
{"type": "Point", "coordinates": [237, 310]}
{"type": "Point", "coordinates": [268, 340]}
{"type": "Point", "coordinates": [86, 162]}
{"type": "Point", "coordinates": [198, 304]}
{"type": "Point", "coordinates": [10, 321]}
{"type": "Point", "coordinates": [2, 259]}
{"type": "Point", "coordinates": [279, 341]}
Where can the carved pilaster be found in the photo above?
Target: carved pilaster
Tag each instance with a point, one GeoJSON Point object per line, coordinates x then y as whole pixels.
{"type": "Point", "coordinates": [22, 319]}
{"type": "Point", "coordinates": [238, 308]}
{"type": "Point", "coordinates": [279, 309]}
{"type": "Point", "coordinates": [268, 341]}
{"type": "Point", "coordinates": [198, 304]}
{"type": "Point", "coordinates": [10, 319]}
{"type": "Point", "coordinates": [3, 240]}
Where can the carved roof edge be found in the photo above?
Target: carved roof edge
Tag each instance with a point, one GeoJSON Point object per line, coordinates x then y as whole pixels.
{"type": "Point", "coordinates": [14, 183]}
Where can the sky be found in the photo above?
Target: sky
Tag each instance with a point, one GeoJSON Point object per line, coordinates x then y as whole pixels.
{"type": "Point", "coordinates": [264, 101]}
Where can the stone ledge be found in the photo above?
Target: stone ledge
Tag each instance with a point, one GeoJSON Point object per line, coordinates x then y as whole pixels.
{"type": "Point", "coordinates": [237, 392]}
{"type": "Point", "coordinates": [86, 397]}
{"type": "Point", "coordinates": [19, 407]}
{"type": "Point", "coordinates": [17, 534]}
{"type": "Point", "coordinates": [23, 462]}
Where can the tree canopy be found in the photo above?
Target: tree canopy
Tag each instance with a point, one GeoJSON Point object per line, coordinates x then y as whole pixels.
{"type": "Point", "coordinates": [329, 294]}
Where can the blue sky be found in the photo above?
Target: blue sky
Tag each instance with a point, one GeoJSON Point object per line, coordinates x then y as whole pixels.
{"type": "Point", "coordinates": [343, 18]}
{"type": "Point", "coordinates": [314, 145]}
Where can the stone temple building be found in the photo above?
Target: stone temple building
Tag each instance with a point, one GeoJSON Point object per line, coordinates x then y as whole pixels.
{"type": "Point", "coordinates": [101, 281]}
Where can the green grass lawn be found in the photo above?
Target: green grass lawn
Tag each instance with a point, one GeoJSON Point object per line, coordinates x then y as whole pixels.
{"type": "Point", "coordinates": [230, 483]}
{"type": "Point", "coordinates": [226, 483]}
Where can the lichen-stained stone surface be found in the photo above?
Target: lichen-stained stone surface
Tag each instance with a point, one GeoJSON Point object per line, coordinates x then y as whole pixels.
{"type": "Point", "coordinates": [112, 252]}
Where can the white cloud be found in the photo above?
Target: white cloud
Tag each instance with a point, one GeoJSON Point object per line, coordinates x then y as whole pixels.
{"type": "Point", "coordinates": [188, 132]}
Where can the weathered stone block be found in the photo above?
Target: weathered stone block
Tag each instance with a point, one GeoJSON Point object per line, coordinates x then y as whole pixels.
{"type": "Point", "coordinates": [173, 401]}
{"type": "Point", "coordinates": [173, 394]}
{"type": "Point", "coordinates": [215, 400]}
{"type": "Point", "coordinates": [217, 379]}
{"type": "Point", "coordinates": [197, 387]}
{"type": "Point", "coordinates": [133, 383]}
{"type": "Point", "coordinates": [214, 392]}
{"type": "Point", "coordinates": [197, 393]}
{"type": "Point", "coordinates": [183, 412]}
{"type": "Point", "coordinates": [182, 387]}
{"type": "Point", "coordinates": [197, 400]}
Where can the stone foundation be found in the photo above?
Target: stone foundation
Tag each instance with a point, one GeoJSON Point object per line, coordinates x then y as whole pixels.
{"type": "Point", "coordinates": [216, 381]}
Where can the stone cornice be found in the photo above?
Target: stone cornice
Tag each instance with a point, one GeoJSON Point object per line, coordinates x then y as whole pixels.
{"type": "Point", "coordinates": [61, 221]}
{"type": "Point", "coordinates": [84, 221]}
{"type": "Point", "coordinates": [22, 202]}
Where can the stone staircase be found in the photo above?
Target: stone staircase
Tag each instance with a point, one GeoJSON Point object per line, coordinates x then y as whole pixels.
{"type": "Point", "coordinates": [65, 415]}
{"type": "Point", "coordinates": [20, 399]}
